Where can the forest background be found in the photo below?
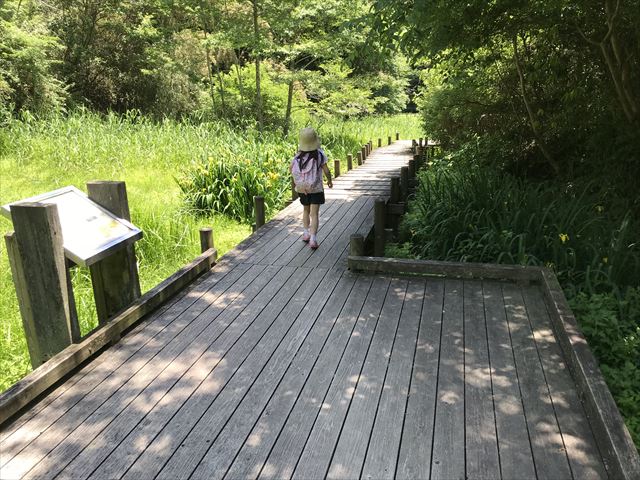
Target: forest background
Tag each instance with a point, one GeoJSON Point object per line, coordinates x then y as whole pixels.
{"type": "Point", "coordinates": [536, 106]}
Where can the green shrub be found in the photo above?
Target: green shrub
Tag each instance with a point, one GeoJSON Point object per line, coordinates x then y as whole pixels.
{"type": "Point", "coordinates": [612, 328]}
{"type": "Point", "coordinates": [475, 214]}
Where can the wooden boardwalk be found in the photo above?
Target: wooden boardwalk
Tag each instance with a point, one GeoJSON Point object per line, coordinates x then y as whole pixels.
{"type": "Point", "coordinates": [281, 363]}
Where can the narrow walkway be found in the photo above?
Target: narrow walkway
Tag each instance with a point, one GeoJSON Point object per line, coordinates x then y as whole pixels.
{"type": "Point", "coordinates": [281, 363]}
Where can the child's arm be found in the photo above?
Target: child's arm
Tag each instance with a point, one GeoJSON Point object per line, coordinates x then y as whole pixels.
{"type": "Point", "coordinates": [327, 173]}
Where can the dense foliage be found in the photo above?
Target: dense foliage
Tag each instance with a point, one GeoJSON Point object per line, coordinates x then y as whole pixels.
{"type": "Point", "coordinates": [252, 62]}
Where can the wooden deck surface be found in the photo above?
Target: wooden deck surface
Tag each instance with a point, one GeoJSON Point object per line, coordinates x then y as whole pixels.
{"type": "Point", "coordinates": [281, 363]}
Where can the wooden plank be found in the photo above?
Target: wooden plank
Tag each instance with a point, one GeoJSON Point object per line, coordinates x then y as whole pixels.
{"type": "Point", "coordinates": [313, 258]}
{"type": "Point", "coordinates": [548, 448]}
{"type": "Point", "coordinates": [614, 440]}
{"type": "Point", "coordinates": [111, 396]}
{"type": "Point", "coordinates": [481, 444]}
{"type": "Point", "coordinates": [96, 371]}
{"type": "Point", "coordinates": [303, 333]}
{"type": "Point", "coordinates": [194, 358]}
{"type": "Point", "coordinates": [329, 331]}
{"type": "Point", "coordinates": [365, 380]}
{"type": "Point", "coordinates": [199, 387]}
{"type": "Point", "coordinates": [192, 448]}
{"type": "Point", "coordinates": [300, 248]}
{"type": "Point", "coordinates": [449, 269]}
{"type": "Point", "coordinates": [30, 387]}
{"type": "Point", "coordinates": [448, 454]}
{"type": "Point", "coordinates": [294, 235]}
{"type": "Point", "coordinates": [384, 444]}
{"type": "Point", "coordinates": [516, 456]}
{"type": "Point", "coordinates": [318, 450]}
{"type": "Point", "coordinates": [350, 451]}
{"type": "Point", "coordinates": [584, 457]}
{"type": "Point", "coordinates": [351, 328]}
{"type": "Point", "coordinates": [414, 459]}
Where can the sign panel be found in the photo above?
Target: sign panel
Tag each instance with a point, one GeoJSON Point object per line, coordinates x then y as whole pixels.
{"type": "Point", "coordinates": [89, 231]}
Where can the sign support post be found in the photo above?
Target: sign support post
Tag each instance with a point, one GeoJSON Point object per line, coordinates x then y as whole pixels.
{"type": "Point", "coordinates": [115, 280]}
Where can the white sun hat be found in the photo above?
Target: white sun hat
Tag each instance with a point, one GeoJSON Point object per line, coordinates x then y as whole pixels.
{"type": "Point", "coordinates": [308, 140]}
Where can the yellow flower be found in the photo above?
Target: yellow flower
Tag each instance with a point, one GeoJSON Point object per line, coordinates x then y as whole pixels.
{"type": "Point", "coordinates": [605, 259]}
{"type": "Point", "coordinates": [564, 237]}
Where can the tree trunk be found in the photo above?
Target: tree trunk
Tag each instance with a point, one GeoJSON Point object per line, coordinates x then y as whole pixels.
{"type": "Point", "coordinates": [287, 117]}
{"type": "Point", "coordinates": [221, 88]}
{"type": "Point", "coordinates": [209, 72]}
{"type": "Point", "coordinates": [532, 120]}
{"type": "Point", "coordinates": [256, 34]}
{"type": "Point", "coordinates": [240, 88]}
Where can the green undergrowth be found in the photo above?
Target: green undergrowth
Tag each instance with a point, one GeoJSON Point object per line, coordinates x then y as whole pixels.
{"type": "Point", "coordinates": [473, 214]}
{"type": "Point", "coordinates": [39, 155]}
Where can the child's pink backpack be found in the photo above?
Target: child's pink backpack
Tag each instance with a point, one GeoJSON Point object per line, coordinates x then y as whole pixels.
{"type": "Point", "coordinates": [305, 171]}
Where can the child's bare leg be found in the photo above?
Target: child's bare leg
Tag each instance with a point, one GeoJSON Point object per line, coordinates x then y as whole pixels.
{"type": "Point", "coordinates": [314, 219]}
{"type": "Point", "coordinates": [305, 216]}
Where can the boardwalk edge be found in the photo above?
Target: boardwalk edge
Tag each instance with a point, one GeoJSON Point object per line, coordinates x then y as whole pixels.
{"type": "Point", "coordinates": [25, 391]}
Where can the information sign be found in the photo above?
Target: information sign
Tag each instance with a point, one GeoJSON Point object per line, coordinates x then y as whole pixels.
{"type": "Point", "coordinates": [89, 231]}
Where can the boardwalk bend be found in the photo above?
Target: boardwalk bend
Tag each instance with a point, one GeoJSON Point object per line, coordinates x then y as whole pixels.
{"type": "Point", "coordinates": [281, 362]}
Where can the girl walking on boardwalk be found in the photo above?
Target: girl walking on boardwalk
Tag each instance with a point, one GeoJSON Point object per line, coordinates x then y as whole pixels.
{"type": "Point", "coordinates": [307, 167]}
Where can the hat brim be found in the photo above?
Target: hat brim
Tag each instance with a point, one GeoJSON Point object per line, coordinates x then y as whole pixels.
{"type": "Point", "coordinates": [309, 146]}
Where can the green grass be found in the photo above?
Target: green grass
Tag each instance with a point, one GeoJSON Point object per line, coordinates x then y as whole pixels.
{"type": "Point", "coordinates": [40, 155]}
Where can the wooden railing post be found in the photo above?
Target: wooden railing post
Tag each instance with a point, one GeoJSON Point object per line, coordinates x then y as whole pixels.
{"type": "Point", "coordinates": [404, 183]}
{"type": "Point", "coordinates": [414, 145]}
{"type": "Point", "coordinates": [258, 203]}
{"type": "Point", "coordinates": [412, 169]}
{"type": "Point", "coordinates": [379, 217]}
{"type": "Point", "coordinates": [397, 136]}
{"type": "Point", "coordinates": [115, 280]}
{"type": "Point", "coordinates": [363, 152]}
{"type": "Point", "coordinates": [395, 190]}
{"type": "Point", "coordinates": [349, 162]}
{"type": "Point", "coordinates": [206, 239]}
{"type": "Point", "coordinates": [359, 157]}
{"type": "Point", "coordinates": [356, 245]}
{"type": "Point", "coordinates": [379, 142]}
{"type": "Point", "coordinates": [38, 267]}
{"type": "Point", "coordinates": [336, 168]}
{"type": "Point", "coordinates": [389, 140]}
{"type": "Point", "coordinates": [420, 140]}
{"type": "Point", "coordinates": [370, 144]}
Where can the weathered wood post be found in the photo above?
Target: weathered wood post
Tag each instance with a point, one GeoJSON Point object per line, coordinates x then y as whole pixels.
{"type": "Point", "coordinates": [206, 239]}
{"type": "Point", "coordinates": [359, 157]}
{"type": "Point", "coordinates": [414, 145]}
{"type": "Point", "coordinates": [370, 144]}
{"type": "Point", "coordinates": [412, 169]}
{"type": "Point", "coordinates": [389, 140]}
{"type": "Point", "coordinates": [115, 280]}
{"type": "Point", "coordinates": [349, 162]}
{"type": "Point", "coordinates": [395, 190]}
{"type": "Point", "coordinates": [404, 183]}
{"type": "Point", "coordinates": [356, 245]}
{"type": "Point", "coordinates": [363, 152]}
{"type": "Point", "coordinates": [206, 243]}
{"type": "Point", "coordinates": [379, 142]}
{"type": "Point", "coordinates": [294, 194]}
{"type": "Point", "coordinates": [418, 161]}
{"type": "Point", "coordinates": [38, 267]}
{"type": "Point", "coordinates": [394, 199]}
{"type": "Point", "coordinates": [336, 168]}
{"type": "Point", "coordinates": [420, 140]}
{"type": "Point", "coordinates": [258, 203]}
{"type": "Point", "coordinates": [397, 136]}
{"type": "Point", "coordinates": [379, 215]}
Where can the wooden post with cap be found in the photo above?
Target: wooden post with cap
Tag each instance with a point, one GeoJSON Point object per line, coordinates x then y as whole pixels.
{"type": "Point", "coordinates": [349, 162]}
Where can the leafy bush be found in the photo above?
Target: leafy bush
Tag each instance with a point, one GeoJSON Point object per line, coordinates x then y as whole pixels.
{"type": "Point", "coordinates": [478, 215]}
{"type": "Point", "coordinates": [612, 328]}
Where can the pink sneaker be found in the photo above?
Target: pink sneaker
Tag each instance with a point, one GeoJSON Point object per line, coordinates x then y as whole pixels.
{"type": "Point", "coordinates": [306, 237]}
{"type": "Point", "coordinates": [313, 245]}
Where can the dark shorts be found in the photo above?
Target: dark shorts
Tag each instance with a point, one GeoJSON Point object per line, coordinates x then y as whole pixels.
{"type": "Point", "coordinates": [311, 198]}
